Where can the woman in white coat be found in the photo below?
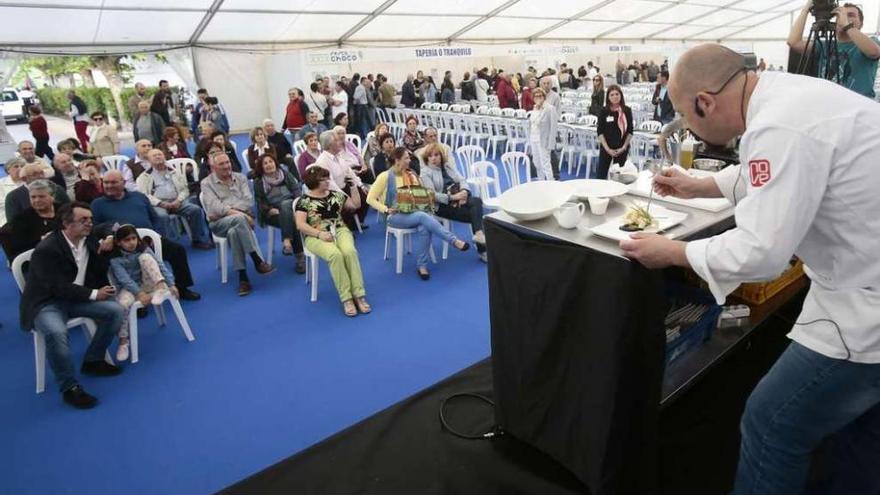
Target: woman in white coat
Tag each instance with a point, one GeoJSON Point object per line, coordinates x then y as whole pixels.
{"type": "Point", "coordinates": [542, 135]}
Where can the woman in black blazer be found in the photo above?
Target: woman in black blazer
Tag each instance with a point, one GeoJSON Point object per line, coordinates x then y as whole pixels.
{"type": "Point", "coordinates": [615, 130]}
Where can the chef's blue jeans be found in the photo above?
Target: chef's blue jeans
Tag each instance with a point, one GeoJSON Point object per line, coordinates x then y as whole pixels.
{"type": "Point", "coordinates": [425, 225]}
{"type": "Point", "coordinates": [803, 399]}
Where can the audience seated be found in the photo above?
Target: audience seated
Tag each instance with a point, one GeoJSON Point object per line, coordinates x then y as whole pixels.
{"type": "Point", "coordinates": [67, 278]}
{"type": "Point", "coordinates": [168, 193]}
{"type": "Point", "coordinates": [274, 190]}
{"type": "Point", "coordinates": [19, 199]}
{"type": "Point", "coordinates": [453, 200]}
{"type": "Point", "coordinates": [10, 182]}
{"type": "Point", "coordinates": [137, 165]}
{"type": "Point", "coordinates": [90, 186]}
{"type": "Point", "coordinates": [27, 151]}
{"type": "Point", "coordinates": [31, 225]}
{"type": "Point", "coordinates": [312, 126]}
{"type": "Point", "coordinates": [373, 148]}
{"type": "Point", "coordinates": [260, 146]}
{"type": "Point", "coordinates": [228, 202]}
{"type": "Point", "coordinates": [319, 219]}
{"type": "Point", "coordinates": [220, 138]}
{"type": "Point", "coordinates": [382, 160]}
{"type": "Point", "coordinates": [412, 139]}
{"type": "Point", "coordinates": [282, 145]}
{"type": "Point", "coordinates": [72, 147]}
{"type": "Point", "coordinates": [362, 169]}
{"type": "Point", "coordinates": [148, 125]}
{"type": "Point", "coordinates": [310, 155]}
{"type": "Point", "coordinates": [140, 276]}
{"type": "Point", "coordinates": [405, 203]}
{"type": "Point", "coordinates": [431, 137]}
{"type": "Point", "coordinates": [340, 163]}
{"type": "Point", "coordinates": [205, 142]}
{"type": "Point", "coordinates": [172, 145]}
{"type": "Point", "coordinates": [120, 206]}
{"type": "Point", "coordinates": [66, 174]}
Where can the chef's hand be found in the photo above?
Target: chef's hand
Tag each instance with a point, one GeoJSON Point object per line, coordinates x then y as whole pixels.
{"type": "Point", "coordinates": [654, 251]}
{"type": "Point", "coordinates": [674, 182]}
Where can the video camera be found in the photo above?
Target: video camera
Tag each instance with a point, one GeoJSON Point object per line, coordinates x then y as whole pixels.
{"type": "Point", "coordinates": [823, 11]}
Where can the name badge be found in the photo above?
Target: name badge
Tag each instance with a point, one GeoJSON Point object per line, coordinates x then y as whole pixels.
{"type": "Point", "coordinates": [609, 119]}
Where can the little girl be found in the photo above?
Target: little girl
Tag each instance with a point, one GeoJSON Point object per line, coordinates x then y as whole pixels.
{"type": "Point", "coordinates": [139, 276]}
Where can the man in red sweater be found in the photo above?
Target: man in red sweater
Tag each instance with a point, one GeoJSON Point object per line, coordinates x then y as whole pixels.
{"type": "Point", "coordinates": [297, 110]}
{"type": "Point", "coordinates": [505, 93]}
{"type": "Point", "coordinates": [40, 130]}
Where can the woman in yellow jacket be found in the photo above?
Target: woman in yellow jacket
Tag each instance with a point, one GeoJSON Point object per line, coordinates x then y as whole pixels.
{"type": "Point", "coordinates": [398, 194]}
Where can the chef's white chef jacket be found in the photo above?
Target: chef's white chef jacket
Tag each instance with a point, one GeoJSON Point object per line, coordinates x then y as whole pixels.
{"type": "Point", "coordinates": [809, 184]}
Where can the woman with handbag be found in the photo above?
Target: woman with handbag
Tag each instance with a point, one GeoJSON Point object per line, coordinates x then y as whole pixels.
{"type": "Point", "coordinates": [398, 195]}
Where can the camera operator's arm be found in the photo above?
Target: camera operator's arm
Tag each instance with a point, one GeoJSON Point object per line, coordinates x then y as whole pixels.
{"type": "Point", "coordinates": [863, 42]}
{"type": "Point", "coordinates": [796, 35]}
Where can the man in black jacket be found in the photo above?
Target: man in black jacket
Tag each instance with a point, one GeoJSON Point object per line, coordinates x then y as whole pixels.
{"type": "Point", "coordinates": [19, 199]}
{"type": "Point", "coordinates": [663, 112]}
{"type": "Point", "coordinates": [408, 93]}
{"type": "Point", "coordinates": [67, 279]}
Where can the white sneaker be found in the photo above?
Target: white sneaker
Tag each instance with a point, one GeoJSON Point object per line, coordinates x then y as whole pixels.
{"type": "Point", "coordinates": [122, 352]}
{"type": "Point", "coordinates": [480, 238]}
{"type": "Point", "coordinates": [160, 296]}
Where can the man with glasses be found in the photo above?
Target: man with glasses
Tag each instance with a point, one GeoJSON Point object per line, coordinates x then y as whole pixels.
{"type": "Point", "coordinates": [858, 53]}
{"type": "Point", "coordinates": [67, 278]}
{"type": "Point", "coordinates": [807, 186]}
{"type": "Point", "coordinates": [431, 136]}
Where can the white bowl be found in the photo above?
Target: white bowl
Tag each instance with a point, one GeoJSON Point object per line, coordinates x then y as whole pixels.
{"type": "Point", "coordinates": [535, 200]}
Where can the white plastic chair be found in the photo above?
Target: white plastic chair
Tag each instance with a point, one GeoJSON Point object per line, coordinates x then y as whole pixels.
{"type": "Point", "coordinates": [179, 166]}
{"type": "Point", "coordinates": [486, 174]}
{"type": "Point", "coordinates": [311, 263]}
{"type": "Point", "coordinates": [650, 126]}
{"type": "Point", "coordinates": [115, 162]}
{"type": "Point", "coordinates": [222, 245]}
{"type": "Point", "coordinates": [517, 166]}
{"type": "Point", "coordinates": [299, 147]}
{"type": "Point", "coordinates": [354, 138]}
{"type": "Point", "coordinates": [496, 133]}
{"type": "Point", "coordinates": [467, 156]}
{"type": "Point", "coordinates": [401, 236]}
{"type": "Point", "coordinates": [160, 311]}
{"type": "Point", "coordinates": [87, 324]}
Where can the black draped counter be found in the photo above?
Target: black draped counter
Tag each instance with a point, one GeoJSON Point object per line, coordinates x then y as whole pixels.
{"type": "Point", "coordinates": [577, 375]}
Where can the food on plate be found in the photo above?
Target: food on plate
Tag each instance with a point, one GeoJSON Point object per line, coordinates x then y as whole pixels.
{"type": "Point", "coordinates": [637, 219]}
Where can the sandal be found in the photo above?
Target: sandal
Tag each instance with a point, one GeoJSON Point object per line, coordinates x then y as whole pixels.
{"type": "Point", "coordinates": [349, 308]}
{"type": "Point", "coordinates": [362, 305]}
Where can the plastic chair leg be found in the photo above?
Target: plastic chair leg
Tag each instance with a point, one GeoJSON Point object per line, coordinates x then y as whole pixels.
{"type": "Point", "coordinates": [181, 318]}
{"type": "Point", "coordinates": [400, 239]}
{"type": "Point", "coordinates": [223, 267]}
{"type": "Point", "coordinates": [270, 244]}
{"type": "Point", "coordinates": [133, 331]}
{"type": "Point", "coordinates": [40, 361]}
{"type": "Point", "coordinates": [314, 294]}
{"type": "Point", "coordinates": [387, 235]}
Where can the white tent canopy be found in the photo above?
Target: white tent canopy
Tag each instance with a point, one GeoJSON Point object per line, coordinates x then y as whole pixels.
{"type": "Point", "coordinates": [104, 24]}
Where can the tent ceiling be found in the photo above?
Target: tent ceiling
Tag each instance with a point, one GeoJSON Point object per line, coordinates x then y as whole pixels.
{"type": "Point", "coordinates": [184, 22]}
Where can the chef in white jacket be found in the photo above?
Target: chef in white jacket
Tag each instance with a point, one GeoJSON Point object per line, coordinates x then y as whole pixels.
{"type": "Point", "coordinates": [809, 185]}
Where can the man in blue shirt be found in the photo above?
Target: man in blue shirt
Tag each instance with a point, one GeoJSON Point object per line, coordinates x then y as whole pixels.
{"type": "Point", "coordinates": [312, 126]}
{"type": "Point", "coordinates": [120, 206]}
{"type": "Point", "coordinates": [857, 52]}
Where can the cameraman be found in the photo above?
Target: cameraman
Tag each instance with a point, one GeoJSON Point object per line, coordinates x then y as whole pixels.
{"type": "Point", "coordinates": [857, 51]}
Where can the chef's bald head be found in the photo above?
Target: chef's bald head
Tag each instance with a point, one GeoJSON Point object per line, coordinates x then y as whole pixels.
{"type": "Point", "coordinates": [703, 68]}
{"type": "Point", "coordinates": [710, 88]}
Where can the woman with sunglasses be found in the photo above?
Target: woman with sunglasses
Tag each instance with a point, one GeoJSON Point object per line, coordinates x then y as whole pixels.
{"type": "Point", "coordinates": [615, 130]}
{"type": "Point", "coordinates": [104, 140]}
{"type": "Point", "coordinates": [597, 100]}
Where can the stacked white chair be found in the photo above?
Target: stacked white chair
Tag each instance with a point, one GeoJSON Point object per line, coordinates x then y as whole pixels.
{"type": "Point", "coordinates": [467, 156]}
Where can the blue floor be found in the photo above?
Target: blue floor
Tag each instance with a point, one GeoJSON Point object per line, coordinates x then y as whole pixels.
{"type": "Point", "coordinates": [267, 376]}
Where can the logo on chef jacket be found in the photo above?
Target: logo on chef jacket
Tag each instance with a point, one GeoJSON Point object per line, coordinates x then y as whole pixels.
{"type": "Point", "coordinates": [759, 172]}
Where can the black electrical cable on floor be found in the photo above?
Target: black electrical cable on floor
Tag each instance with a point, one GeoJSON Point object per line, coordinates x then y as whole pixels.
{"type": "Point", "coordinates": [494, 432]}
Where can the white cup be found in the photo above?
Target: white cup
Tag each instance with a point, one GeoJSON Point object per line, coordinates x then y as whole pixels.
{"type": "Point", "coordinates": [569, 214]}
{"type": "Point", "coordinates": [598, 206]}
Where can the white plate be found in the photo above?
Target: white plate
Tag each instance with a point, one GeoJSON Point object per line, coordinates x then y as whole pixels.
{"type": "Point", "coordinates": [598, 188]}
{"type": "Point", "coordinates": [665, 217]}
{"type": "Point", "coordinates": [535, 200]}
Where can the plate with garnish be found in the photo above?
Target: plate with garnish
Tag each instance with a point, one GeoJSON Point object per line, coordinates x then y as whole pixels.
{"type": "Point", "coordinates": [638, 219]}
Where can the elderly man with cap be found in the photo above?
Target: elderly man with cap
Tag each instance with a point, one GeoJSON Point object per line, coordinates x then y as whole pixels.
{"type": "Point", "coordinates": [807, 186]}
